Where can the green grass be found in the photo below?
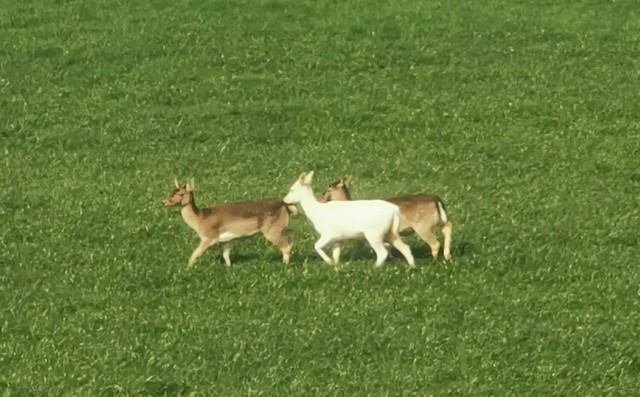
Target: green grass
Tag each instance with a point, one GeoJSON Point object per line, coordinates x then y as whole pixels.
{"type": "Point", "coordinates": [522, 115]}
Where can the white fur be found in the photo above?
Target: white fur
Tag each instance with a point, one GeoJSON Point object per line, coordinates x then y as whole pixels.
{"type": "Point", "coordinates": [341, 220]}
{"type": "Point", "coordinates": [227, 236]}
{"type": "Point", "coordinates": [443, 213]}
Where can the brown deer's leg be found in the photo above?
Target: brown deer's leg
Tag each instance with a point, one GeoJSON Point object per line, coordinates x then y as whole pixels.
{"type": "Point", "coordinates": [204, 244]}
{"type": "Point", "coordinates": [279, 236]}
{"type": "Point", "coordinates": [447, 229]}
{"type": "Point", "coordinates": [226, 250]}
{"type": "Point", "coordinates": [429, 237]}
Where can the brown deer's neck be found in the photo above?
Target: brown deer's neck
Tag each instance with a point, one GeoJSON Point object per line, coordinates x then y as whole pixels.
{"type": "Point", "coordinates": [190, 212]}
{"type": "Point", "coordinates": [189, 200]}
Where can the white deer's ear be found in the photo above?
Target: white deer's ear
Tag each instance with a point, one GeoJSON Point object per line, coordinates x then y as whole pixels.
{"type": "Point", "coordinates": [190, 185]}
{"type": "Point", "coordinates": [301, 177]}
{"type": "Point", "coordinates": [307, 178]}
{"type": "Point", "coordinates": [177, 183]}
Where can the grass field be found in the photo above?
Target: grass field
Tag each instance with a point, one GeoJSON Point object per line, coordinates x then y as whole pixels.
{"type": "Point", "coordinates": [523, 116]}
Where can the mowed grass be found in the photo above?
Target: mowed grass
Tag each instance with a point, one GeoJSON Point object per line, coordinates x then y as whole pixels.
{"type": "Point", "coordinates": [522, 116]}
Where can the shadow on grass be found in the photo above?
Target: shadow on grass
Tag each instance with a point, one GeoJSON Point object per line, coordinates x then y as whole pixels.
{"type": "Point", "coordinates": [247, 258]}
{"type": "Point", "coordinates": [462, 249]}
{"type": "Point", "coordinates": [422, 251]}
{"type": "Point", "coordinates": [9, 389]}
{"type": "Point", "coordinates": [626, 241]}
{"type": "Point", "coordinates": [419, 251]}
{"type": "Point", "coordinates": [157, 387]}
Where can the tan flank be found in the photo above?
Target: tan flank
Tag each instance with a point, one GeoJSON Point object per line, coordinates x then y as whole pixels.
{"type": "Point", "coordinates": [222, 223]}
{"type": "Point", "coordinates": [422, 213]}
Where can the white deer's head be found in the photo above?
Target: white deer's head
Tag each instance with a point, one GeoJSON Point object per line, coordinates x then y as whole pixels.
{"type": "Point", "coordinates": [300, 189]}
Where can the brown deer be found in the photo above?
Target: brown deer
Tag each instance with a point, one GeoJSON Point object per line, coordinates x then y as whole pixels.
{"type": "Point", "coordinates": [423, 213]}
{"type": "Point", "coordinates": [222, 223]}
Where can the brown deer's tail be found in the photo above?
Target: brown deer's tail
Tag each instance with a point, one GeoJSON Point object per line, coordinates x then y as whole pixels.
{"type": "Point", "coordinates": [442, 211]}
{"type": "Point", "coordinates": [291, 209]}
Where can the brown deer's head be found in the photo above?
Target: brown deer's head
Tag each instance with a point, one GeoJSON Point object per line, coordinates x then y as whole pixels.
{"type": "Point", "coordinates": [181, 195]}
{"type": "Point", "coordinates": [337, 191]}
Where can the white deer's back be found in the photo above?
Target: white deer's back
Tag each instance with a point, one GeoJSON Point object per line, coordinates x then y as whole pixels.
{"type": "Point", "coordinates": [353, 218]}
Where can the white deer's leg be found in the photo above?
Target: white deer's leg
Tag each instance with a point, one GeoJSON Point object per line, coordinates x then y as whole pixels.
{"type": "Point", "coordinates": [381, 253]}
{"type": "Point", "coordinates": [446, 230]}
{"type": "Point", "coordinates": [336, 253]}
{"type": "Point", "coordinates": [204, 244]}
{"type": "Point", "coordinates": [226, 249]}
{"type": "Point", "coordinates": [377, 244]}
{"type": "Point", "coordinates": [404, 249]}
{"type": "Point", "coordinates": [318, 246]}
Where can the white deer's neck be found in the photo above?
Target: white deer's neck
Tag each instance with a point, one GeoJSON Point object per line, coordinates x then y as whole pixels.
{"type": "Point", "coordinates": [310, 204]}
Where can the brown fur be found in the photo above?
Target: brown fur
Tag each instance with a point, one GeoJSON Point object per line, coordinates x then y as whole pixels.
{"type": "Point", "coordinates": [222, 223]}
{"type": "Point", "coordinates": [419, 212]}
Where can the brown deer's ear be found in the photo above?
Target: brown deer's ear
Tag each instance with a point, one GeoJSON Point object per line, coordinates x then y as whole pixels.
{"type": "Point", "coordinates": [346, 181]}
{"type": "Point", "coordinates": [190, 185]}
{"type": "Point", "coordinates": [175, 180]}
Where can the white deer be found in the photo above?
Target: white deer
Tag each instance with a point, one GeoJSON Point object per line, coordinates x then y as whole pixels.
{"type": "Point", "coordinates": [375, 220]}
